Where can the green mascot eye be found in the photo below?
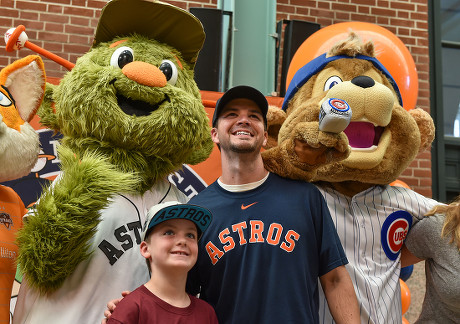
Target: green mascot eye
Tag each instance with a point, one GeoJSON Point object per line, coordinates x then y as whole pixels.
{"type": "Point", "coordinates": [121, 57]}
{"type": "Point", "coordinates": [169, 69]}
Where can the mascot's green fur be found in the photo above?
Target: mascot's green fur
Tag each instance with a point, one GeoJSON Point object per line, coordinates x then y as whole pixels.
{"type": "Point", "coordinates": [126, 123]}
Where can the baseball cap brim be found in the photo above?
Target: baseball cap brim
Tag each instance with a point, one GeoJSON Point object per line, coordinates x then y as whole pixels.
{"type": "Point", "coordinates": [241, 92]}
{"type": "Point", "coordinates": [159, 213]}
{"type": "Point", "coordinates": [153, 19]}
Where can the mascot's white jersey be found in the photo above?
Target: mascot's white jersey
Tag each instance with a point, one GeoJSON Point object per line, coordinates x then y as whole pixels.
{"type": "Point", "coordinates": [372, 226]}
{"type": "Point", "coordinates": [115, 265]}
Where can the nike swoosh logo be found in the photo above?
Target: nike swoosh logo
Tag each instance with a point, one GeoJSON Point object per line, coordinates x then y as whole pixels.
{"type": "Point", "coordinates": [243, 207]}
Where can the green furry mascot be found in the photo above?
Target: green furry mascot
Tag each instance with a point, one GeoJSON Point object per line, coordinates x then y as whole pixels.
{"type": "Point", "coordinates": [130, 114]}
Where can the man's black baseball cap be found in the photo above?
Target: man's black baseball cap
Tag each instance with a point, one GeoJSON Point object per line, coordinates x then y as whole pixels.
{"type": "Point", "coordinates": [241, 92]}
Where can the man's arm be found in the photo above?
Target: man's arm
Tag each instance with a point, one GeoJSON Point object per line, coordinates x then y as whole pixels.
{"type": "Point", "coordinates": [111, 305]}
{"type": "Point", "coordinates": [340, 295]}
{"type": "Point", "coordinates": [407, 258]}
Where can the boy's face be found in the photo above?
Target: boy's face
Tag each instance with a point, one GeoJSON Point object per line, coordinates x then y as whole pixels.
{"type": "Point", "coordinates": [172, 244]}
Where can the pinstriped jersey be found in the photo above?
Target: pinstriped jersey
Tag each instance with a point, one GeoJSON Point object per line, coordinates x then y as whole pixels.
{"type": "Point", "coordinates": [372, 226]}
{"type": "Point", "coordinates": [260, 259]}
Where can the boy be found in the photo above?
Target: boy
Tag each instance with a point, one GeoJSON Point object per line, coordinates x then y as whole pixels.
{"type": "Point", "coordinates": [170, 248]}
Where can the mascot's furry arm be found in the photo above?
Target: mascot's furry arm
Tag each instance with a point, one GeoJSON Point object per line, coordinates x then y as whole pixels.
{"type": "Point", "coordinates": [304, 148]}
{"type": "Point", "coordinates": [66, 217]}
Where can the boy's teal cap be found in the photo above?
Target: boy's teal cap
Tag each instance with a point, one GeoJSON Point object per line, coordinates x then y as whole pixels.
{"type": "Point", "coordinates": [157, 214]}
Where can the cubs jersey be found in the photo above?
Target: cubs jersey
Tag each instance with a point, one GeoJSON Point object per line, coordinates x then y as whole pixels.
{"type": "Point", "coordinates": [115, 264]}
{"type": "Point", "coordinates": [260, 259]}
{"type": "Point", "coordinates": [11, 211]}
{"type": "Point", "coordinates": [372, 226]}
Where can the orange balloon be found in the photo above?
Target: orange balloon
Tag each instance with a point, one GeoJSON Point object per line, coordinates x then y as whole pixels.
{"type": "Point", "coordinates": [405, 321]}
{"type": "Point", "coordinates": [389, 50]}
{"type": "Point", "coordinates": [399, 183]}
{"type": "Point", "coordinates": [405, 296]}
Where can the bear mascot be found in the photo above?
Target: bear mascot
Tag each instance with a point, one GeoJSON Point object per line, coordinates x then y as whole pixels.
{"type": "Point", "coordinates": [354, 167]}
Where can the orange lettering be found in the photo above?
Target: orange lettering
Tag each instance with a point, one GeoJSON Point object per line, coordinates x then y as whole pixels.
{"type": "Point", "coordinates": [257, 227]}
{"type": "Point", "coordinates": [214, 253]}
{"type": "Point", "coordinates": [239, 228]}
{"type": "Point", "coordinates": [274, 227]}
{"type": "Point", "coordinates": [228, 239]}
{"type": "Point", "coordinates": [290, 237]}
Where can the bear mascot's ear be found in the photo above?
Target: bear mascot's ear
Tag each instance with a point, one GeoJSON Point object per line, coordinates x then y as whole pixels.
{"type": "Point", "coordinates": [275, 119]}
{"type": "Point", "coordinates": [425, 125]}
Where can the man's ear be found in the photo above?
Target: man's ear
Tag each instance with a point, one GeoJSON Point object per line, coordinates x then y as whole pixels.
{"type": "Point", "coordinates": [214, 135]}
{"type": "Point", "coordinates": [265, 140]}
{"type": "Point", "coordinates": [275, 119]}
{"type": "Point", "coordinates": [47, 112]}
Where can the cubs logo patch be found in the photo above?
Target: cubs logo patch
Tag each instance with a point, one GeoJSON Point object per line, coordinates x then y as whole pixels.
{"type": "Point", "coordinates": [394, 231]}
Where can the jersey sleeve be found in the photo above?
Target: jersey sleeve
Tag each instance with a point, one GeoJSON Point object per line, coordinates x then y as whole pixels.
{"type": "Point", "coordinates": [331, 251]}
{"type": "Point", "coordinates": [176, 195]}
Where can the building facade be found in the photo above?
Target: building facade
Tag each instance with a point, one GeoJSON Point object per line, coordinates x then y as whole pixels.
{"type": "Point", "coordinates": [66, 28]}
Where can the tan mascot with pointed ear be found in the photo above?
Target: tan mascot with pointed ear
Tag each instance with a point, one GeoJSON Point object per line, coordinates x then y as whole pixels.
{"type": "Point", "coordinates": [22, 85]}
{"type": "Point", "coordinates": [353, 168]}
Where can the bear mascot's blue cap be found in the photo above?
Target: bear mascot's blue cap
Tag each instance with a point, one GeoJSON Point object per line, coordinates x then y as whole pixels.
{"type": "Point", "coordinates": [314, 66]}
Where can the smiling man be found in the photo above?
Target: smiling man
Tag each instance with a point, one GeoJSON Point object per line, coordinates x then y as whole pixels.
{"type": "Point", "coordinates": [271, 238]}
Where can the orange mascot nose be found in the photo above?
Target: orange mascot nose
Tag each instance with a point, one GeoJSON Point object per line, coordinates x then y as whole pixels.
{"type": "Point", "coordinates": [145, 74]}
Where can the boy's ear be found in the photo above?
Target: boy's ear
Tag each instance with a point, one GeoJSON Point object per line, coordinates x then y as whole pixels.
{"type": "Point", "coordinates": [145, 250]}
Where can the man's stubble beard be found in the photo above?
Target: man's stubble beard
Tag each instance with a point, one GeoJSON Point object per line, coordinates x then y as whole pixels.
{"type": "Point", "coordinates": [244, 148]}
